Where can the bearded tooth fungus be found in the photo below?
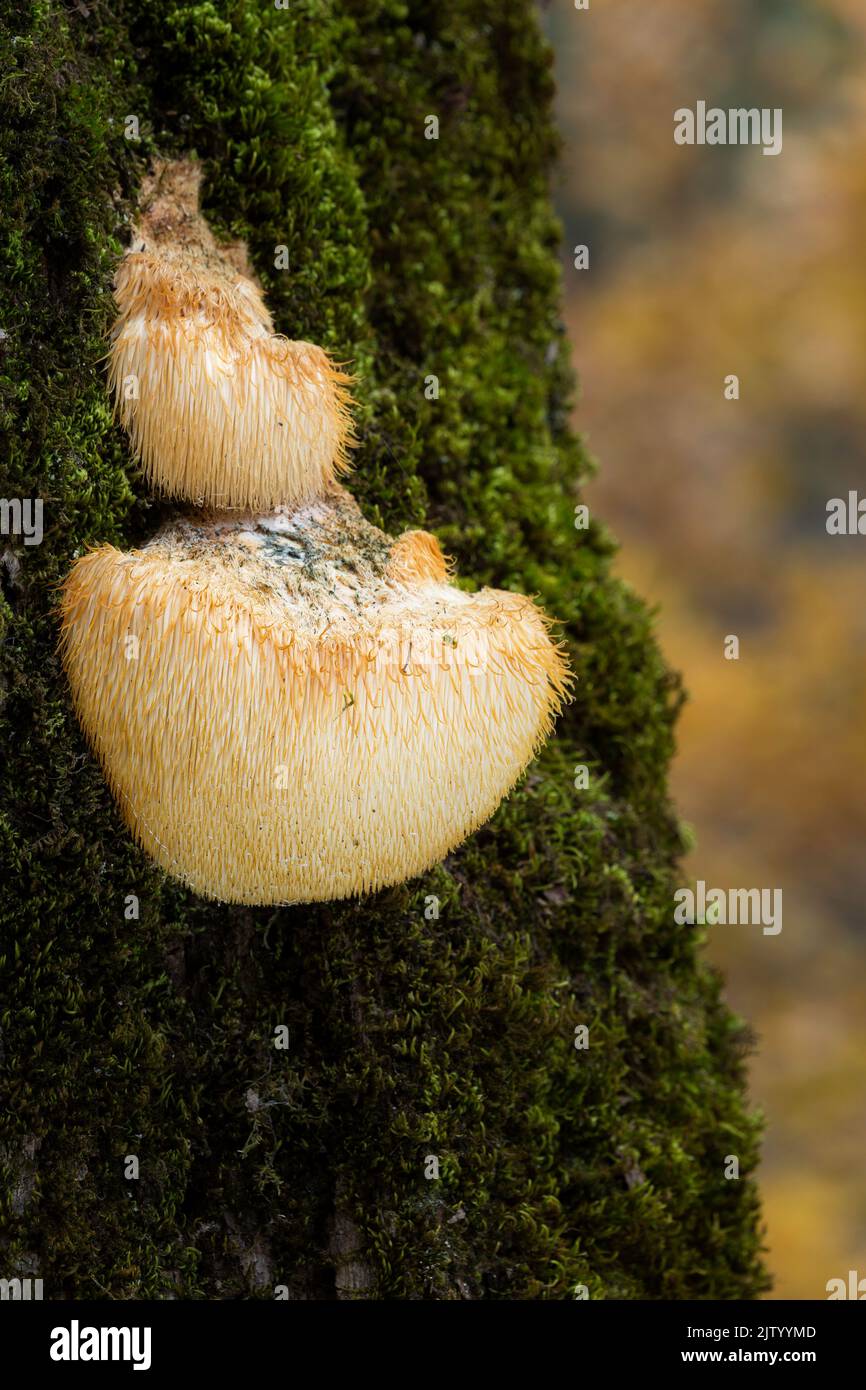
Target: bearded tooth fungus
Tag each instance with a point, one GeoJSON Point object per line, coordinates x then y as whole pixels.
{"type": "Point", "coordinates": [288, 704]}
{"type": "Point", "coordinates": [294, 707]}
{"type": "Point", "coordinates": [220, 409]}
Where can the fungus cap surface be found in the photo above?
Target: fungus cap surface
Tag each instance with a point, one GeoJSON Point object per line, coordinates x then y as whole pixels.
{"type": "Point", "coordinates": [287, 713]}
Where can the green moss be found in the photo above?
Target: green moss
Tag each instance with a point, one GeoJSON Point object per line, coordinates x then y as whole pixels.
{"type": "Point", "coordinates": [408, 1037]}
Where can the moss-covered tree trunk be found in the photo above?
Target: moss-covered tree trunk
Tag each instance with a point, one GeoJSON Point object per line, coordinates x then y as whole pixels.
{"type": "Point", "coordinates": [410, 1035]}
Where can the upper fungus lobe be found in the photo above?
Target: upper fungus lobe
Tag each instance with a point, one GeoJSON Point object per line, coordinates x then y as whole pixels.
{"type": "Point", "coordinates": [219, 408]}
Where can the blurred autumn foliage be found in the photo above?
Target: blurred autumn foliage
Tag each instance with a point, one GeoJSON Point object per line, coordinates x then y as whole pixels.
{"type": "Point", "coordinates": [706, 262]}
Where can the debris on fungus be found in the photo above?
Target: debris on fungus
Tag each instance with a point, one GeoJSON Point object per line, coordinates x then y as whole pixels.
{"type": "Point", "coordinates": [220, 409]}
{"type": "Point", "coordinates": [293, 707]}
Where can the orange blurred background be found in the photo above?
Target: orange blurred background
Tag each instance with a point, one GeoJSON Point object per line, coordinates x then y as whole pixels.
{"type": "Point", "coordinates": [705, 262]}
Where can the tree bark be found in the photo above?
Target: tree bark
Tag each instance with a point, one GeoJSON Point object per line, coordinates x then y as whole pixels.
{"type": "Point", "coordinates": [302, 1172]}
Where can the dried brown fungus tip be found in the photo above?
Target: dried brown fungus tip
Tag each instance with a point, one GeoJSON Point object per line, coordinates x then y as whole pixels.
{"type": "Point", "coordinates": [293, 707]}
{"type": "Point", "coordinates": [220, 409]}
